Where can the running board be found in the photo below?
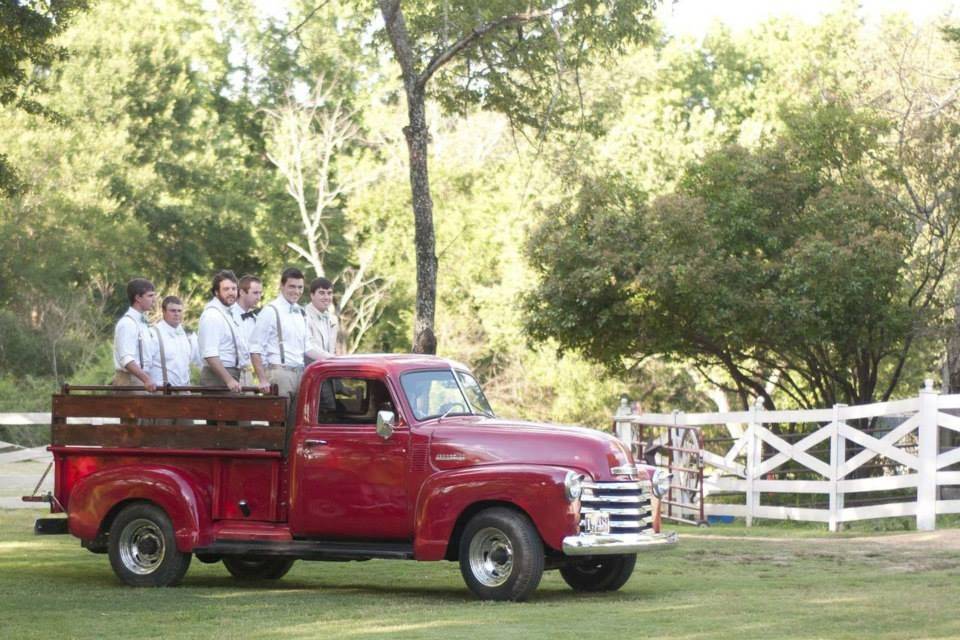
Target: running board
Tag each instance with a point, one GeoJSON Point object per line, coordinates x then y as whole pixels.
{"type": "Point", "coordinates": [310, 549]}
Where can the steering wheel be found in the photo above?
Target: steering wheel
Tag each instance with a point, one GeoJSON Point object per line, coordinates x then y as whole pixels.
{"type": "Point", "coordinates": [448, 407]}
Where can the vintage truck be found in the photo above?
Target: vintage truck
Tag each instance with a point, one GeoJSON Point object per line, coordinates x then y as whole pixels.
{"type": "Point", "coordinates": [377, 456]}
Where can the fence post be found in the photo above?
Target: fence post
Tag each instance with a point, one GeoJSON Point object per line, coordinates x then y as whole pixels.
{"type": "Point", "coordinates": [624, 428]}
{"type": "Point", "coordinates": [838, 456]}
{"type": "Point", "coordinates": [754, 458]}
{"type": "Point", "coordinates": [927, 459]}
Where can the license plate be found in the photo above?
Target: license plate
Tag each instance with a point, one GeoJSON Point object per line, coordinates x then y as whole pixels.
{"type": "Point", "coordinates": [597, 522]}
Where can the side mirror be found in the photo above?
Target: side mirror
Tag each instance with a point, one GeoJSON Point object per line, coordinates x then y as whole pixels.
{"type": "Point", "coordinates": [385, 422]}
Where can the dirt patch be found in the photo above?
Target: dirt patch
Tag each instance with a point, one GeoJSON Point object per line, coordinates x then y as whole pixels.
{"type": "Point", "coordinates": [891, 553]}
{"type": "Point", "coordinates": [944, 539]}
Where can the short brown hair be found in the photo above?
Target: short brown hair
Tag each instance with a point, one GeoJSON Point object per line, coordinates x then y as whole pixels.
{"type": "Point", "coordinates": [138, 287]}
{"type": "Point", "coordinates": [247, 280]}
{"type": "Point", "coordinates": [170, 300]}
{"type": "Point", "coordinates": [320, 283]}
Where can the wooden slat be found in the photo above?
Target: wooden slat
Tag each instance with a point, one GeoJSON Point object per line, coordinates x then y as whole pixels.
{"type": "Point", "coordinates": [170, 436]}
{"type": "Point", "coordinates": [220, 408]}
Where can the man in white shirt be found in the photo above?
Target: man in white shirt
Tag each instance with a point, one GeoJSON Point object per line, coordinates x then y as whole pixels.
{"type": "Point", "coordinates": [222, 345]}
{"type": "Point", "coordinates": [133, 343]}
{"type": "Point", "coordinates": [281, 338]}
{"type": "Point", "coordinates": [322, 320]}
{"type": "Point", "coordinates": [246, 310]}
{"type": "Point", "coordinates": [175, 349]}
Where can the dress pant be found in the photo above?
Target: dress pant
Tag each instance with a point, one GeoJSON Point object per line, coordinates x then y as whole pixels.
{"type": "Point", "coordinates": [209, 377]}
{"type": "Point", "coordinates": [287, 379]}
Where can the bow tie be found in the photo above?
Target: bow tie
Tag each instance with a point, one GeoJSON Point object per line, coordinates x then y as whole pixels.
{"type": "Point", "coordinates": [249, 314]}
{"type": "Point", "coordinates": [294, 308]}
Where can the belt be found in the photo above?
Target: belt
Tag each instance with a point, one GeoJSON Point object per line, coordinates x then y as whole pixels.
{"type": "Point", "coordinates": [286, 367]}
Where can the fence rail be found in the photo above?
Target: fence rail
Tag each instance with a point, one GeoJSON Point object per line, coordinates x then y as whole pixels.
{"type": "Point", "coordinates": [915, 451]}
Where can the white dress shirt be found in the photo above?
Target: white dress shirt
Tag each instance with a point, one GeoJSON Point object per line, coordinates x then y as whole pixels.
{"type": "Point", "coordinates": [179, 351]}
{"type": "Point", "coordinates": [324, 327]}
{"type": "Point", "coordinates": [221, 337]}
{"type": "Point", "coordinates": [248, 322]}
{"type": "Point", "coordinates": [296, 337]}
{"type": "Point", "coordinates": [133, 341]}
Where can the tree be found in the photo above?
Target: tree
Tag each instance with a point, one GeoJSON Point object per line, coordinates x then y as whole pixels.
{"type": "Point", "coordinates": [26, 33]}
{"type": "Point", "coordinates": [307, 143]}
{"type": "Point", "coordinates": [784, 267]}
{"type": "Point", "coordinates": [509, 56]}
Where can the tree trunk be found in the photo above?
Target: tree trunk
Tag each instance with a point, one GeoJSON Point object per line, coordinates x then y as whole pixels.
{"type": "Point", "coordinates": [418, 138]}
{"type": "Point", "coordinates": [417, 134]}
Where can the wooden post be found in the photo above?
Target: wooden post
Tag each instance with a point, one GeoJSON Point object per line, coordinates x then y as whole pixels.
{"type": "Point", "coordinates": [927, 459]}
{"type": "Point", "coordinates": [624, 428]}
{"type": "Point", "coordinates": [754, 459]}
{"type": "Point", "coordinates": [838, 456]}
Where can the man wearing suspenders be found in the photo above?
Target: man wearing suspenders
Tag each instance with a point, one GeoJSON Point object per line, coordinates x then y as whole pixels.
{"type": "Point", "coordinates": [175, 349]}
{"type": "Point", "coordinates": [281, 338]}
{"type": "Point", "coordinates": [222, 345]}
{"type": "Point", "coordinates": [246, 310]}
{"type": "Point", "coordinates": [133, 343]}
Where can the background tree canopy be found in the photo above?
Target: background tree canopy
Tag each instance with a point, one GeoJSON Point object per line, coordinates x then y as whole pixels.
{"type": "Point", "coordinates": [767, 213]}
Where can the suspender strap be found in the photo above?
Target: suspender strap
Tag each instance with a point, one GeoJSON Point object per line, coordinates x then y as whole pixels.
{"type": "Point", "coordinates": [236, 352]}
{"type": "Point", "coordinates": [139, 340]}
{"type": "Point", "coordinates": [163, 355]}
{"type": "Point", "coordinates": [283, 359]}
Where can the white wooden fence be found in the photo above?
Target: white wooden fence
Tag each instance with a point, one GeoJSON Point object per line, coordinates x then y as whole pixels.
{"type": "Point", "coordinates": [15, 453]}
{"type": "Point", "coordinates": [914, 456]}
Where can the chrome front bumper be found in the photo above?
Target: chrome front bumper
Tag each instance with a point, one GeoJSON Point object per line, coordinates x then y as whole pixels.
{"type": "Point", "coordinates": [611, 543]}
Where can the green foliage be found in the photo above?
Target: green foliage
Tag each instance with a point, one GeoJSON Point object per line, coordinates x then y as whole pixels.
{"type": "Point", "coordinates": [27, 49]}
{"type": "Point", "coordinates": [785, 259]}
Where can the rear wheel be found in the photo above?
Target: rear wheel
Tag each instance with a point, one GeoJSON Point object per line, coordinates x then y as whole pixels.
{"type": "Point", "coordinates": [257, 567]}
{"type": "Point", "coordinates": [599, 573]}
{"type": "Point", "coordinates": [501, 555]}
{"type": "Point", "coordinates": [142, 548]}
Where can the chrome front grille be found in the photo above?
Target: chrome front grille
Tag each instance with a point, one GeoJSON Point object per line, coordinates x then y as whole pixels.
{"type": "Point", "coordinates": [627, 504]}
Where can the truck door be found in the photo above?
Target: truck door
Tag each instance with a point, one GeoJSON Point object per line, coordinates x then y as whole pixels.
{"type": "Point", "coordinates": [349, 482]}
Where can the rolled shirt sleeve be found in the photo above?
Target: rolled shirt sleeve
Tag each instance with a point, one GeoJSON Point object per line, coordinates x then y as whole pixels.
{"type": "Point", "coordinates": [126, 348]}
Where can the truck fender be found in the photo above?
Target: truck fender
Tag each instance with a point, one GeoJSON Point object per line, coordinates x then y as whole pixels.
{"type": "Point", "coordinates": [94, 497]}
{"type": "Point", "coordinates": [537, 490]}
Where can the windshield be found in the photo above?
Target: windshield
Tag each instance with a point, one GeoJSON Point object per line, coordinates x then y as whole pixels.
{"type": "Point", "coordinates": [471, 387]}
{"type": "Point", "coordinates": [433, 394]}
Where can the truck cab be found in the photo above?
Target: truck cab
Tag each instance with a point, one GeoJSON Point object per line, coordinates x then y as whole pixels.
{"type": "Point", "coordinates": [377, 456]}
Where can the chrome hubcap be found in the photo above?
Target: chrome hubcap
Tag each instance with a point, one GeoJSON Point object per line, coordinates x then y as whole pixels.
{"type": "Point", "coordinates": [491, 557]}
{"type": "Point", "coordinates": [141, 546]}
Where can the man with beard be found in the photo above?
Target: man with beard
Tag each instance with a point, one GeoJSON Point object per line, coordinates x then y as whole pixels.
{"type": "Point", "coordinates": [222, 345]}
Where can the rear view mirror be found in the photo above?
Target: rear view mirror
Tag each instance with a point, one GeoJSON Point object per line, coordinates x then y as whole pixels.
{"type": "Point", "coordinates": [385, 422]}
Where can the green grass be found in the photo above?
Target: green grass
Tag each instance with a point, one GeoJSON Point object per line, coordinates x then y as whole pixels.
{"type": "Point", "coordinates": [802, 584]}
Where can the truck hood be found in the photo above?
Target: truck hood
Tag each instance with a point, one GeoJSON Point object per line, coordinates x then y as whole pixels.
{"type": "Point", "coordinates": [470, 441]}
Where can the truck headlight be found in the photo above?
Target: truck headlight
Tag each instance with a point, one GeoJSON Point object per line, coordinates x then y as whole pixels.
{"type": "Point", "coordinates": [573, 485]}
{"type": "Point", "coordinates": [661, 483]}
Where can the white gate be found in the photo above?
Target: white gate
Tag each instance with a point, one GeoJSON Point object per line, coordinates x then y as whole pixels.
{"type": "Point", "coordinates": [911, 453]}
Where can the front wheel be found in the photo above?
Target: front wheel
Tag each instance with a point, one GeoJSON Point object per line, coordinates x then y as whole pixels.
{"type": "Point", "coordinates": [142, 548]}
{"type": "Point", "coordinates": [257, 568]}
{"type": "Point", "coordinates": [600, 573]}
{"type": "Point", "coordinates": [501, 555]}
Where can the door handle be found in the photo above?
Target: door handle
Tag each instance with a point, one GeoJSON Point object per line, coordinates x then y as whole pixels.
{"type": "Point", "coordinates": [314, 443]}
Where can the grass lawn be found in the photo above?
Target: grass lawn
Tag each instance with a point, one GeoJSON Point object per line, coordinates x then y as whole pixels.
{"type": "Point", "coordinates": [717, 583]}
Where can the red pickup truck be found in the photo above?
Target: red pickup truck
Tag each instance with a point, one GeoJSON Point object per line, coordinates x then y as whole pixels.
{"type": "Point", "coordinates": [378, 456]}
